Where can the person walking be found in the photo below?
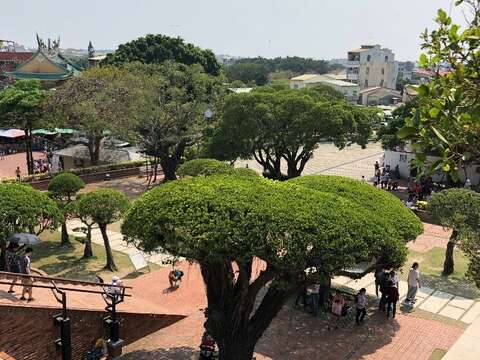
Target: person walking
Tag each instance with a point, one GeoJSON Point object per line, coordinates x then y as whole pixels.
{"type": "Point", "coordinates": [314, 291]}
{"type": "Point", "coordinates": [392, 296]}
{"type": "Point", "coordinates": [12, 263]}
{"type": "Point", "coordinates": [338, 302]}
{"type": "Point", "coordinates": [378, 277]}
{"type": "Point", "coordinates": [361, 306]}
{"type": "Point", "coordinates": [26, 269]}
{"type": "Point", "coordinates": [301, 297]}
{"type": "Point", "coordinates": [18, 173]}
{"type": "Point", "coordinates": [413, 283]}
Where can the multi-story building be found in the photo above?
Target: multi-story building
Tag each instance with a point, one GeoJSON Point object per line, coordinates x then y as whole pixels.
{"type": "Point", "coordinates": [372, 66]}
{"type": "Point", "coordinates": [350, 91]}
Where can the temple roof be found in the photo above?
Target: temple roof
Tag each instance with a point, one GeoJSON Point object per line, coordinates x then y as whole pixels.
{"type": "Point", "coordinates": [45, 67]}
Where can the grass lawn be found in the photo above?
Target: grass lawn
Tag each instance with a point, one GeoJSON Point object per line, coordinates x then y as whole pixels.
{"type": "Point", "coordinates": [431, 267]}
{"type": "Point", "coordinates": [437, 354]}
{"type": "Point", "coordinates": [68, 263]}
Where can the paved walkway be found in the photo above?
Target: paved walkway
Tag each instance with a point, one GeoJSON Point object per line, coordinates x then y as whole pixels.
{"type": "Point", "coordinates": [118, 244]}
{"type": "Point", "coordinates": [9, 164]}
{"type": "Point", "coordinates": [431, 300]}
{"type": "Point", "coordinates": [467, 347]}
{"type": "Point", "coordinates": [353, 161]}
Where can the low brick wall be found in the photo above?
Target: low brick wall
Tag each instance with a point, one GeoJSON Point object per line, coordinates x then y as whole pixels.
{"type": "Point", "coordinates": [28, 333]}
{"type": "Point", "coordinates": [94, 177]}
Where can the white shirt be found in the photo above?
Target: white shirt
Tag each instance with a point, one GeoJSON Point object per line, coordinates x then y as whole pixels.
{"type": "Point", "coordinates": [413, 276]}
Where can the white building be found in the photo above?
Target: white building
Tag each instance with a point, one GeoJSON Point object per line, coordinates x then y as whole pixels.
{"type": "Point", "coordinates": [372, 66]}
{"type": "Point", "coordinates": [349, 90]}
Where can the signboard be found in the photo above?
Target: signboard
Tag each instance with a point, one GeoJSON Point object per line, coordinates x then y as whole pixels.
{"type": "Point", "coordinates": [138, 260]}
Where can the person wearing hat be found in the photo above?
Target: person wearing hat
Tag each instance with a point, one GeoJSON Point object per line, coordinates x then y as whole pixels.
{"type": "Point", "coordinates": [114, 290]}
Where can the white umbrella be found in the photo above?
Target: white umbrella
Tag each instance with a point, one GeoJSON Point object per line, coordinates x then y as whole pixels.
{"type": "Point", "coordinates": [24, 238]}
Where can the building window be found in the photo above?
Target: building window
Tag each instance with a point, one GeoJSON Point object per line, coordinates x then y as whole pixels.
{"type": "Point", "coordinates": [366, 83]}
{"type": "Point", "coordinates": [383, 71]}
{"type": "Point", "coordinates": [367, 71]}
{"type": "Point", "coordinates": [295, 86]}
{"type": "Point", "coordinates": [386, 58]}
{"type": "Point", "coordinates": [369, 57]}
{"type": "Point", "coordinates": [381, 83]}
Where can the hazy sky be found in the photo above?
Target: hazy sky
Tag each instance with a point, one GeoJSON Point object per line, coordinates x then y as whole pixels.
{"type": "Point", "coordinates": [312, 28]}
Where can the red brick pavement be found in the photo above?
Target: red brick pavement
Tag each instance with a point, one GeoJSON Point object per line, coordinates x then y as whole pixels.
{"type": "Point", "coordinates": [433, 236]}
{"type": "Point", "coordinates": [293, 335]}
{"type": "Point", "coordinates": [9, 164]}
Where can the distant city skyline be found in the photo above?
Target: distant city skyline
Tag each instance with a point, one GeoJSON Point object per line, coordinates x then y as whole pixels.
{"type": "Point", "coordinates": [310, 28]}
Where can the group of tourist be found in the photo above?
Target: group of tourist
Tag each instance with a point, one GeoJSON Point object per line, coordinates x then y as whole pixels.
{"type": "Point", "coordinates": [386, 288]}
{"type": "Point", "coordinates": [386, 178]}
{"type": "Point", "coordinates": [18, 261]}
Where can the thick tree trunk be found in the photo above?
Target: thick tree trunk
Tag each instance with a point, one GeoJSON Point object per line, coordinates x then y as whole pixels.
{"type": "Point", "coordinates": [448, 265]}
{"type": "Point", "coordinates": [108, 250]}
{"type": "Point", "coordinates": [231, 303]}
{"type": "Point", "coordinates": [65, 240]}
{"type": "Point", "coordinates": [94, 146]}
{"type": "Point", "coordinates": [169, 168]}
{"type": "Point", "coordinates": [87, 252]}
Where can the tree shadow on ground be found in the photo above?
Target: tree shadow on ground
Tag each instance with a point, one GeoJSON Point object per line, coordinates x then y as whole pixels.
{"type": "Point", "coordinates": [180, 353]}
{"type": "Point", "coordinates": [296, 334]}
{"type": "Point", "coordinates": [451, 284]}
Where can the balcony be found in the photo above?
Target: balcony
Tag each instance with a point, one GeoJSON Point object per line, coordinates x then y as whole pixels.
{"type": "Point", "coordinates": [352, 76]}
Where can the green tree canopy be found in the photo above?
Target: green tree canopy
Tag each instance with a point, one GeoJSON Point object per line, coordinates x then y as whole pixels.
{"type": "Point", "coordinates": [20, 106]}
{"type": "Point", "coordinates": [170, 110]}
{"type": "Point", "coordinates": [273, 126]}
{"type": "Point", "coordinates": [248, 73]}
{"type": "Point", "coordinates": [97, 103]}
{"type": "Point", "coordinates": [23, 209]}
{"type": "Point", "coordinates": [258, 70]}
{"type": "Point", "coordinates": [156, 49]}
{"type": "Point", "coordinates": [446, 120]}
{"type": "Point", "coordinates": [103, 206]}
{"type": "Point", "coordinates": [208, 167]}
{"type": "Point", "coordinates": [63, 188]}
{"type": "Point", "coordinates": [225, 223]}
{"type": "Point", "coordinates": [458, 209]}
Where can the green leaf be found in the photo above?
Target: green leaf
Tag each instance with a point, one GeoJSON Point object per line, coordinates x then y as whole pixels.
{"type": "Point", "coordinates": [458, 2]}
{"type": "Point", "coordinates": [423, 61]}
{"type": "Point", "coordinates": [406, 132]}
{"type": "Point", "coordinates": [442, 15]}
{"type": "Point", "coordinates": [423, 90]}
{"type": "Point", "coordinates": [439, 135]}
{"type": "Point", "coordinates": [434, 113]}
{"type": "Point", "coordinates": [435, 165]}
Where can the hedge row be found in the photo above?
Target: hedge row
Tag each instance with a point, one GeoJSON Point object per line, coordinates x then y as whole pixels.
{"type": "Point", "coordinates": [82, 171]}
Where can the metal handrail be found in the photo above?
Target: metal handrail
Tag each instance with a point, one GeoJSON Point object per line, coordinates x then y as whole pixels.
{"type": "Point", "coordinates": [58, 280]}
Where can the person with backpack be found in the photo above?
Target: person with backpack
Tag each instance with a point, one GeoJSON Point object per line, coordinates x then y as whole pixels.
{"type": "Point", "coordinates": [361, 306]}
{"type": "Point", "coordinates": [26, 269]}
{"type": "Point", "coordinates": [392, 296]}
{"type": "Point", "coordinates": [12, 263]}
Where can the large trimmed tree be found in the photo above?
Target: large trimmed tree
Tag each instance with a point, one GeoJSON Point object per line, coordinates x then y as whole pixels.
{"type": "Point", "coordinates": [104, 206]}
{"type": "Point", "coordinates": [63, 188]}
{"type": "Point", "coordinates": [24, 209]}
{"type": "Point", "coordinates": [231, 224]}
{"type": "Point", "coordinates": [286, 126]}
{"type": "Point", "coordinates": [459, 210]}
